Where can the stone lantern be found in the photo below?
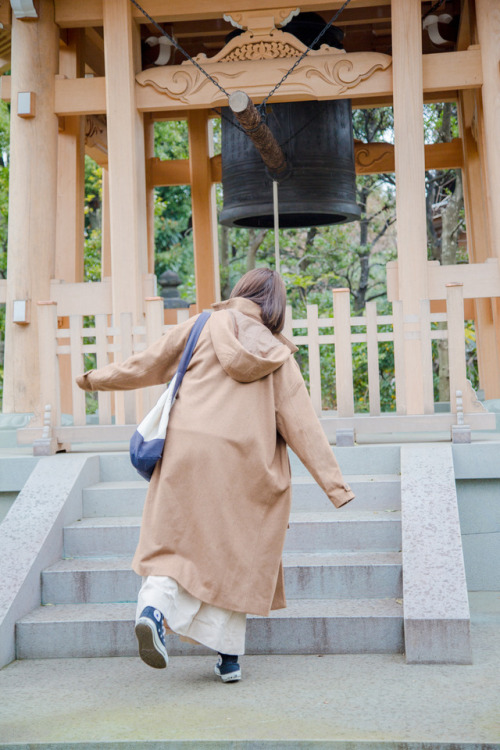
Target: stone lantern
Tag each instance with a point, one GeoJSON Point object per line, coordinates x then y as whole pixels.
{"type": "Point", "coordinates": [169, 281]}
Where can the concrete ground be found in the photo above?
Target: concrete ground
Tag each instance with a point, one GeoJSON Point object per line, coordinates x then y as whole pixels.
{"type": "Point", "coordinates": [339, 701]}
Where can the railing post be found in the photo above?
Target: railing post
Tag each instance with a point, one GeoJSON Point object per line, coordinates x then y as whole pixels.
{"type": "Point", "coordinates": [343, 352]}
{"type": "Point", "coordinates": [102, 359]}
{"type": "Point", "coordinates": [426, 353]}
{"type": "Point", "coordinates": [49, 366]}
{"type": "Point", "coordinates": [128, 398]}
{"type": "Point", "coordinates": [288, 329]}
{"type": "Point", "coordinates": [456, 345]}
{"type": "Point", "coordinates": [399, 356]}
{"type": "Point", "coordinates": [314, 358]}
{"type": "Point", "coordinates": [77, 368]}
{"type": "Point", "coordinates": [372, 355]}
{"type": "Point", "coordinates": [154, 319]}
{"type": "Point", "coordinates": [154, 330]}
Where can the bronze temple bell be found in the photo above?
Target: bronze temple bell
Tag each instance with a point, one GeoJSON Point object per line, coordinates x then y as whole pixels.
{"type": "Point", "coordinates": [316, 138]}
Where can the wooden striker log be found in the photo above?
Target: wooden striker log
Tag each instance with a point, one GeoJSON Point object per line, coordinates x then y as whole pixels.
{"type": "Point", "coordinates": [264, 141]}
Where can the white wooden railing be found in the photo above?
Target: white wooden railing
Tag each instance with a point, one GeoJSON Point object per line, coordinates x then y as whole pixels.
{"type": "Point", "coordinates": [64, 351]}
{"type": "Point", "coordinates": [343, 338]}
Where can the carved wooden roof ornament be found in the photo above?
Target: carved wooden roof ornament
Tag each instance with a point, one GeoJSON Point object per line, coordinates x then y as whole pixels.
{"type": "Point", "coordinates": [326, 73]}
{"type": "Point", "coordinates": [262, 40]}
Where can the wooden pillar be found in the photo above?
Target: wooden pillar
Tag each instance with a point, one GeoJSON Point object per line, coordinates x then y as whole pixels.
{"type": "Point", "coordinates": [488, 28]}
{"type": "Point", "coordinates": [488, 31]}
{"type": "Point", "coordinates": [70, 172]}
{"type": "Point", "coordinates": [32, 201]}
{"type": "Point", "coordinates": [105, 233]}
{"type": "Point", "coordinates": [70, 195]}
{"type": "Point", "coordinates": [127, 178]}
{"type": "Point", "coordinates": [203, 208]}
{"type": "Point", "coordinates": [410, 185]}
{"type": "Point", "coordinates": [149, 139]}
{"type": "Point", "coordinates": [478, 245]}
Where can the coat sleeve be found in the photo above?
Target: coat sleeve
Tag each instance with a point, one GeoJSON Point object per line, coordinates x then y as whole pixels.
{"type": "Point", "coordinates": [154, 366]}
{"type": "Point", "coordinates": [299, 426]}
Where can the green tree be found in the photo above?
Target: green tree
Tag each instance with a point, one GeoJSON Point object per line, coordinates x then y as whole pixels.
{"type": "Point", "coordinates": [93, 221]}
{"type": "Point", "coordinates": [173, 213]}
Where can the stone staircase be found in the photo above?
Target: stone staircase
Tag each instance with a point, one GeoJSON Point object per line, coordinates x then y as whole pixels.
{"type": "Point", "coordinates": [343, 573]}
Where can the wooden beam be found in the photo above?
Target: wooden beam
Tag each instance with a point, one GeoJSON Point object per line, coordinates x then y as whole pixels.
{"type": "Point", "coordinates": [169, 172]}
{"type": "Point", "coordinates": [80, 96]}
{"type": "Point", "coordinates": [90, 13]}
{"type": "Point", "coordinates": [439, 306]}
{"type": "Point", "coordinates": [442, 73]}
{"type": "Point", "coordinates": [480, 280]}
{"type": "Point", "coordinates": [369, 158]}
{"type": "Point", "coordinates": [431, 97]}
{"type": "Point", "coordinates": [94, 52]}
{"type": "Point", "coordinates": [452, 70]}
{"type": "Point", "coordinates": [216, 168]}
{"type": "Point", "coordinates": [378, 158]}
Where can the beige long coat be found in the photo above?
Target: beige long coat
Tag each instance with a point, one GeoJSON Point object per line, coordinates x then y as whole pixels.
{"type": "Point", "coordinates": [218, 504]}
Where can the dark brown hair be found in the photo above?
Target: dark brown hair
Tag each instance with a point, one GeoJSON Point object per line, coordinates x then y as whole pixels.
{"type": "Point", "coordinates": [267, 289]}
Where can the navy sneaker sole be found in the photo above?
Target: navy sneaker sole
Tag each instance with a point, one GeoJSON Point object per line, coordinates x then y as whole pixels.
{"type": "Point", "coordinates": [234, 676]}
{"type": "Point", "coordinates": [151, 649]}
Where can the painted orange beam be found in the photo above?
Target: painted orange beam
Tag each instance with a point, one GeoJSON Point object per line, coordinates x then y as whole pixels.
{"type": "Point", "coordinates": [370, 158]}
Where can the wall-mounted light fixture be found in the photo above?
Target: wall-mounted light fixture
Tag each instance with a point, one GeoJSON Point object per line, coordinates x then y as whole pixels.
{"type": "Point", "coordinates": [21, 312]}
{"type": "Point", "coordinates": [26, 103]}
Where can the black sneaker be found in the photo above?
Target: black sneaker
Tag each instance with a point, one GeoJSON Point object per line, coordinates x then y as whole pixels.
{"type": "Point", "coordinates": [227, 668]}
{"type": "Point", "coordinates": [150, 633]}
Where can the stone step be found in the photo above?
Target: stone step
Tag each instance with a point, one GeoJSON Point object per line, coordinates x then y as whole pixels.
{"type": "Point", "coordinates": [373, 492]}
{"type": "Point", "coordinates": [307, 626]}
{"type": "Point", "coordinates": [347, 529]}
{"type": "Point", "coordinates": [126, 497]}
{"type": "Point", "coordinates": [307, 575]}
{"type": "Point", "coordinates": [362, 459]}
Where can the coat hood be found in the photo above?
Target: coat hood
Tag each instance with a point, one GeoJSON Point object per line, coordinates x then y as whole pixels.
{"type": "Point", "coordinates": [246, 349]}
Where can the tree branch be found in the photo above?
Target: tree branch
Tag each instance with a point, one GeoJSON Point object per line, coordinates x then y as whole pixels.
{"type": "Point", "coordinates": [376, 296]}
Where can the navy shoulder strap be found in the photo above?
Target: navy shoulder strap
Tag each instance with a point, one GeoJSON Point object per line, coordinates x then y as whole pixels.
{"type": "Point", "coordinates": [189, 349]}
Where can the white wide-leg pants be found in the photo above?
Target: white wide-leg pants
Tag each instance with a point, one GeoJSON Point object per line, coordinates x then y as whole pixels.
{"type": "Point", "coordinates": [220, 629]}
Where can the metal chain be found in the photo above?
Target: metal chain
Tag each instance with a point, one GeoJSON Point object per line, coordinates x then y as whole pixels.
{"type": "Point", "coordinates": [178, 46]}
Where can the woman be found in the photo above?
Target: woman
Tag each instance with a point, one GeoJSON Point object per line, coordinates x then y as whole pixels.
{"type": "Point", "coordinates": [218, 504]}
